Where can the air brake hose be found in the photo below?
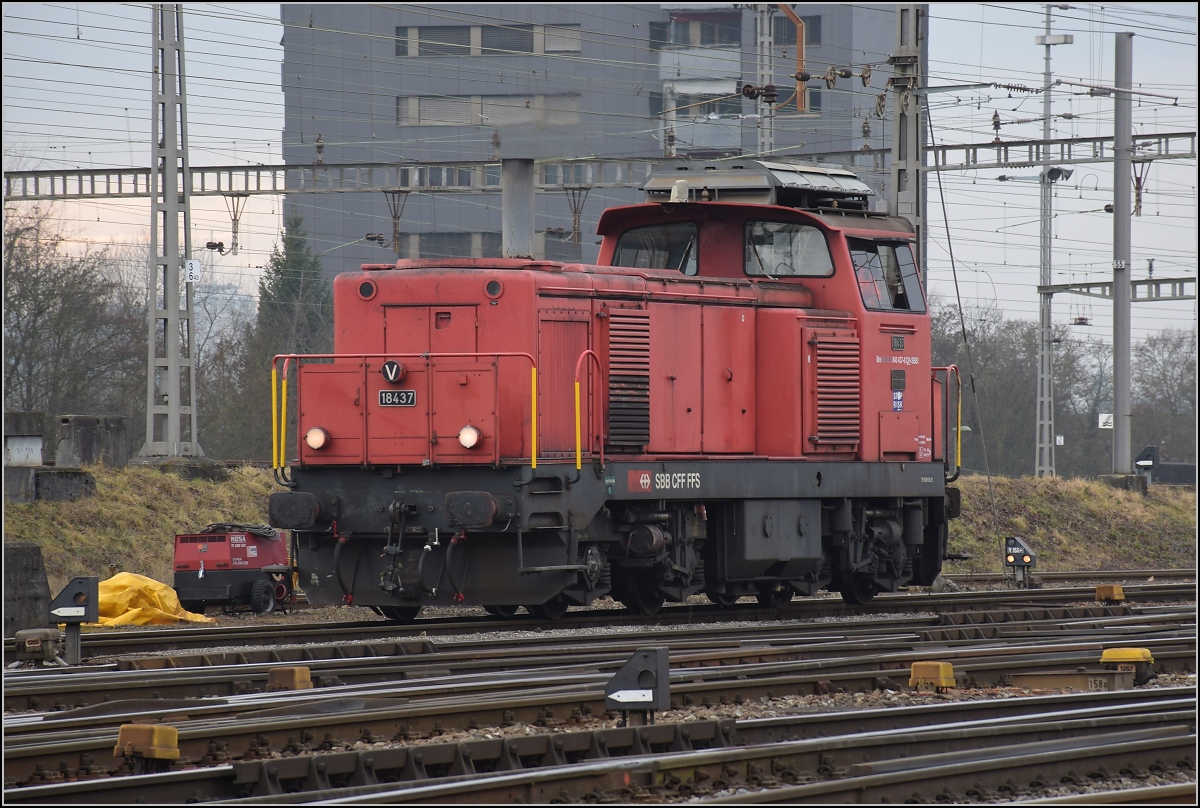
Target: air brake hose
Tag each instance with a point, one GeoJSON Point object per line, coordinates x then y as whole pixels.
{"type": "Point", "coordinates": [421, 567]}
{"type": "Point", "coordinates": [347, 594]}
{"type": "Point", "coordinates": [458, 594]}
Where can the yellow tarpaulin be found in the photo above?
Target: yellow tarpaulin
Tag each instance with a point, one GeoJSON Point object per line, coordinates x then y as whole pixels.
{"type": "Point", "coordinates": [128, 599]}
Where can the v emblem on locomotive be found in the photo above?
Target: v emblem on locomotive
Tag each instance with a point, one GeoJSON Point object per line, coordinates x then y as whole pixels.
{"type": "Point", "coordinates": [750, 356]}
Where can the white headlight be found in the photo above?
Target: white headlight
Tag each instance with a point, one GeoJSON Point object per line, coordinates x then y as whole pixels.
{"type": "Point", "coordinates": [316, 438]}
{"type": "Point", "coordinates": [469, 437]}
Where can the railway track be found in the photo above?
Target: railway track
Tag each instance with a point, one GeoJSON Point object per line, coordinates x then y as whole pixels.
{"type": "Point", "coordinates": [104, 645]}
{"type": "Point", "coordinates": [982, 749]}
{"type": "Point", "coordinates": [392, 692]}
{"type": "Point", "coordinates": [241, 672]}
{"type": "Point", "coordinates": [554, 682]}
{"type": "Point", "coordinates": [1118, 576]}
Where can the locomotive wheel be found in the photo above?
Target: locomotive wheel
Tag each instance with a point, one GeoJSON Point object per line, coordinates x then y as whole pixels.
{"type": "Point", "coordinates": [399, 614]}
{"type": "Point", "coordinates": [552, 609]}
{"type": "Point", "coordinates": [723, 599]}
{"type": "Point", "coordinates": [643, 596]}
{"type": "Point", "coordinates": [774, 596]}
{"type": "Point", "coordinates": [504, 612]}
{"type": "Point", "coordinates": [859, 590]}
{"type": "Point", "coordinates": [262, 597]}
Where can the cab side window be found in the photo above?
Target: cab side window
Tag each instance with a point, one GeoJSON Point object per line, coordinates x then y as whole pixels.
{"type": "Point", "coordinates": [887, 276]}
{"type": "Point", "coordinates": [664, 246]}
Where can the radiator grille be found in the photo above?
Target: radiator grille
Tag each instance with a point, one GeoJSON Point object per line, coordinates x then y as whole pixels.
{"type": "Point", "coordinates": [629, 379]}
{"type": "Point", "coordinates": [838, 392]}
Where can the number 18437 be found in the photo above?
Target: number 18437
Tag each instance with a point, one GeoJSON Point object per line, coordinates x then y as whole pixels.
{"type": "Point", "coordinates": [397, 398]}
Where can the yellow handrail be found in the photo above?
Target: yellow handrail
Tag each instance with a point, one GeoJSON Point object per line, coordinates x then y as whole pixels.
{"type": "Point", "coordinates": [283, 420]}
{"type": "Point", "coordinates": [274, 416]}
{"type": "Point", "coordinates": [578, 451]}
{"type": "Point", "coordinates": [533, 422]}
{"type": "Point", "coordinates": [958, 431]}
{"type": "Point", "coordinates": [942, 402]}
{"type": "Point", "coordinates": [578, 417]}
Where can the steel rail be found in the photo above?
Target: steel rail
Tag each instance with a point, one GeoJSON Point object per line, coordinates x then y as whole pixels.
{"type": "Point", "coordinates": [105, 643]}
{"type": "Point", "coordinates": [987, 665]}
{"type": "Point", "coordinates": [423, 708]}
{"type": "Point", "coordinates": [1181, 794]}
{"type": "Point", "coordinates": [231, 673]}
{"type": "Point", "coordinates": [846, 739]}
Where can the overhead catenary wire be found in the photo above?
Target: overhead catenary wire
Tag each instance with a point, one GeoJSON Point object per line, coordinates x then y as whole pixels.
{"type": "Point", "coordinates": [210, 18]}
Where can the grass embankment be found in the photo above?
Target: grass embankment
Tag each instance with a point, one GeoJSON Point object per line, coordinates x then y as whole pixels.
{"type": "Point", "coordinates": [132, 520]}
{"type": "Point", "coordinates": [1072, 524]}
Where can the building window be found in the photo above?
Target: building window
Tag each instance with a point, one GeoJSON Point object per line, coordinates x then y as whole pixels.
{"type": "Point", "coordinates": [688, 29]}
{"type": "Point", "coordinates": [564, 39]}
{"type": "Point", "coordinates": [680, 33]}
{"type": "Point", "coordinates": [487, 40]}
{"type": "Point", "coordinates": [444, 40]}
{"type": "Point", "coordinates": [491, 245]}
{"type": "Point", "coordinates": [697, 106]}
{"type": "Point", "coordinates": [512, 110]}
{"type": "Point", "coordinates": [704, 105]}
{"type": "Point", "coordinates": [812, 30]}
{"type": "Point", "coordinates": [659, 35]}
{"type": "Point", "coordinates": [491, 174]}
{"type": "Point", "coordinates": [785, 31]}
{"type": "Point", "coordinates": [814, 100]}
{"type": "Point", "coordinates": [504, 39]}
{"type": "Point", "coordinates": [441, 177]}
{"type": "Point", "coordinates": [566, 174]}
{"type": "Point", "coordinates": [719, 33]}
{"type": "Point", "coordinates": [446, 111]}
{"type": "Point", "coordinates": [489, 110]}
{"type": "Point", "coordinates": [445, 245]}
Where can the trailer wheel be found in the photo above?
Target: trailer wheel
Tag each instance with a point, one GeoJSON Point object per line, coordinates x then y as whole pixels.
{"type": "Point", "coordinates": [262, 597]}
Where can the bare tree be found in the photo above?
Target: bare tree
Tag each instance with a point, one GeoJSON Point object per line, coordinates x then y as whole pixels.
{"type": "Point", "coordinates": [73, 335]}
{"type": "Point", "coordinates": [1164, 395]}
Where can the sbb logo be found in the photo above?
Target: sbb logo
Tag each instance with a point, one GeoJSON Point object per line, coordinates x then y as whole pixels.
{"type": "Point", "coordinates": [639, 481]}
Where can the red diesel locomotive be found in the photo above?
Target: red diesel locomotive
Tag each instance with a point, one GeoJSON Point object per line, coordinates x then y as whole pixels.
{"type": "Point", "coordinates": [738, 399]}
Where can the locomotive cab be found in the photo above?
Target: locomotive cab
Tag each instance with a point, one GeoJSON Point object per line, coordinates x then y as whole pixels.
{"type": "Point", "coordinates": [736, 400]}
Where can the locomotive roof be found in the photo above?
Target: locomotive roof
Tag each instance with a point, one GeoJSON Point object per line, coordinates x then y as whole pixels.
{"type": "Point", "coordinates": [779, 182]}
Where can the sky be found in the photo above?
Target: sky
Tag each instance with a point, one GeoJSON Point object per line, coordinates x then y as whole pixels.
{"type": "Point", "coordinates": [77, 93]}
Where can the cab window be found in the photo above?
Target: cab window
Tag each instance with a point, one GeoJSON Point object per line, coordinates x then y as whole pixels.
{"type": "Point", "coordinates": [786, 249]}
{"type": "Point", "coordinates": [887, 276]}
{"type": "Point", "coordinates": [662, 246]}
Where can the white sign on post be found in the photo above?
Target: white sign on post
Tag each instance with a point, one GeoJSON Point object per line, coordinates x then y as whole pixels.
{"type": "Point", "coordinates": [1106, 420]}
{"type": "Point", "coordinates": [193, 270]}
